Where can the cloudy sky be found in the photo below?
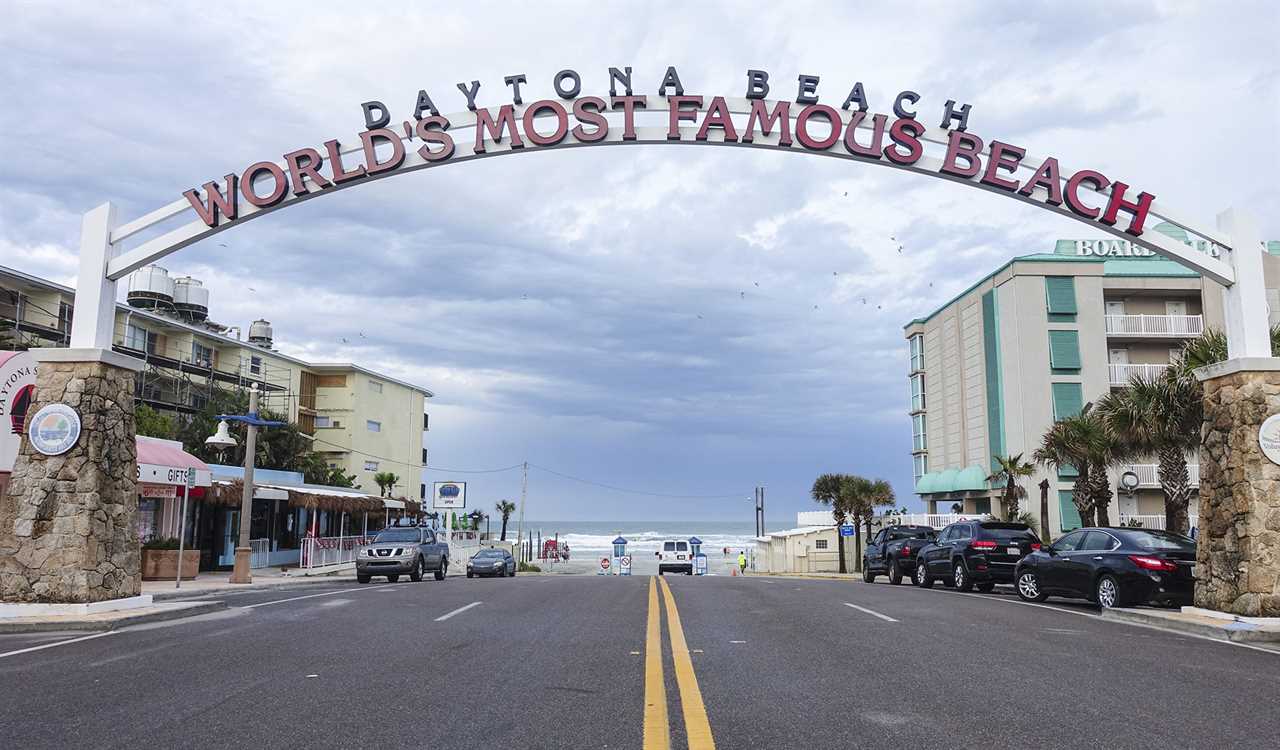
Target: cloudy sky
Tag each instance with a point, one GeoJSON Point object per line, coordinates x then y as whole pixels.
{"type": "Point", "coordinates": [584, 310]}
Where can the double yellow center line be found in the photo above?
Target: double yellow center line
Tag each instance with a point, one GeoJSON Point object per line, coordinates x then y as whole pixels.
{"type": "Point", "coordinates": [657, 726]}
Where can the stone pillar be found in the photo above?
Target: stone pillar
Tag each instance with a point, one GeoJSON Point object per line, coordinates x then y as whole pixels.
{"type": "Point", "coordinates": [1238, 550]}
{"type": "Point", "coordinates": [67, 522]}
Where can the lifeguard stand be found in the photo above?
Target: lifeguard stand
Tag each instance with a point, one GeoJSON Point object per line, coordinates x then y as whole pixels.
{"type": "Point", "coordinates": [619, 552]}
{"type": "Point", "coordinates": [695, 554]}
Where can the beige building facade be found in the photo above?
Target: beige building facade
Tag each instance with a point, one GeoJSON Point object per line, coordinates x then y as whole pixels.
{"type": "Point", "coordinates": [991, 370]}
{"type": "Point", "coordinates": [362, 421]}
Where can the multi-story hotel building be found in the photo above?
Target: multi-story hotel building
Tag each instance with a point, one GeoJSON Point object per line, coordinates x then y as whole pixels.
{"type": "Point", "coordinates": [362, 421]}
{"type": "Point", "coordinates": [1037, 339]}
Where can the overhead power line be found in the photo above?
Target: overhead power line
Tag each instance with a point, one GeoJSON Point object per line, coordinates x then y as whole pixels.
{"type": "Point", "coordinates": [634, 492]}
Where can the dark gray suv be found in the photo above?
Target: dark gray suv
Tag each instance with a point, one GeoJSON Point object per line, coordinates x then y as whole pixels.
{"type": "Point", "coordinates": [401, 550]}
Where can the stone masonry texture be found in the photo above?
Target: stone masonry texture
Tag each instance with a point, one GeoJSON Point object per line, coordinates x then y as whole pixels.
{"type": "Point", "coordinates": [67, 523]}
{"type": "Point", "coordinates": [1238, 551]}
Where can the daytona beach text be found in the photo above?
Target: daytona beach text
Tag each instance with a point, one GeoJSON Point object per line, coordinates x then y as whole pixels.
{"type": "Point", "coordinates": [803, 121]}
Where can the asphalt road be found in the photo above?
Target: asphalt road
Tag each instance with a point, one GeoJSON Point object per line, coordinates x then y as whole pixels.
{"type": "Point", "coordinates": [573, 662]}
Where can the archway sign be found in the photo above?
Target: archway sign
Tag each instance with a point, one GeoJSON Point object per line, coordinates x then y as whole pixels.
{"type": "Point", "coordinates": [913, 135]}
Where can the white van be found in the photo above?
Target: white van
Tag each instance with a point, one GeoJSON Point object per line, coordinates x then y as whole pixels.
{"type": "Point", "coordinates": [675, 557]}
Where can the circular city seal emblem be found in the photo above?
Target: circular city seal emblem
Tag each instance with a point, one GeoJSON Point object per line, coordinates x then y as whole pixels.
{"type": "Point", "coordinates": [1269, 438]}
{"type": "Point", "coordinates": [54, 429]}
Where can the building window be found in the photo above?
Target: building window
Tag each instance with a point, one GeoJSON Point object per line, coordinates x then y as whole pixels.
{"type": "Point", "coordinates": [917, 352]}
{"type": "Point", "coordinates": [1067, 513]}
{"type": "Point", "coordinates": [375, 386]}
{"type": "Point", "coordinates": [370, 465]}
{"type": "Point", "coordinates": [982, 505]}
{"type": "Point", "coordinates": [1060, 298]}
{"type": "Point", "coordinates": [422, 491]}
{"type": "Point", "coordinates": [1068, 400]}
{"type": "Point", "coordinates": [921, 465]}
{"type": "Point", "coordinates": [919, 441]}
{"type": "Point", "coordinates": [138, 338]}
{"type": "Point", "coordinates": [426, 422]}
{"type": "Point", "coordinates": [820, 544]}
{"type": "Point", "coordinates": [255, 365]}
{"type": "Point", "coordinates": [323, 420]}
{"type": "Point", "coordinates": [373, 426]}
{"type": "Point", "coordinates": [201, 355]}
{"type": "Point", "coordinates": [1064, 351]}
{"type": "Point", "coordinates": [917, 392]}
{"type": "Point", "coordinates": [424, 456]}
{"type": "Point", "coordinates": [199, 400]}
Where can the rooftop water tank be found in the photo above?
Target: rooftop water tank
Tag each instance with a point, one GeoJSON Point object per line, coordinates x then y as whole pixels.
{"type": "Point", "coordinates": [149, 288]}
{"type": "Point", "coordinates": [260, 333]}
{"type": "Point", "coordinates": [190, 299]}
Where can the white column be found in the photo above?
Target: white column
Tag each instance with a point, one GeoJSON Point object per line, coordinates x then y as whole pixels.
{"type": "Point", "coordinates": [1245, 301]}
{"type": "Point", "coordinates": [95, 308]}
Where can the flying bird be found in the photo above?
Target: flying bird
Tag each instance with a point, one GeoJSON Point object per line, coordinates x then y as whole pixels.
{"type": "Point", "coordinates": [743, 295]}
{"type": "Point", "coordinates": [846, 193]}
{"type": "Point", "coordinates": [344, 341]}
{"type": "Point", "coordinates": [756, 283]}
{"type": "Point", "coordinates": [222, 244]}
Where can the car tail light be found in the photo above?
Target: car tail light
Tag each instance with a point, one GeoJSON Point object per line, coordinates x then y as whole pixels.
{"type": "Point", "coordinates": [1153, 563]}
{"type": "Point", "coordinates": [1035, 546]}
{"type": "Point", "coordinates": [906, 549]}
{"type": "Point", "coordinates": [983, 544]}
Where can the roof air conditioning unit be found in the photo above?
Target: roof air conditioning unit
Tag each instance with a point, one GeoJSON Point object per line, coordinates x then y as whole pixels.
{"type": "Point", "coordinates": [260, 333]}
{"type": "Point", "coordinates": [190, 299]}
{"type": "Point", "coordinates": [150, 288]}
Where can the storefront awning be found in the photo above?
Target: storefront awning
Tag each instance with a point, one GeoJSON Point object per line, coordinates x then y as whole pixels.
{"type": "Point", "coordinates": [968, 479]}
{"type": "Point", "coordinates": [164, 462]}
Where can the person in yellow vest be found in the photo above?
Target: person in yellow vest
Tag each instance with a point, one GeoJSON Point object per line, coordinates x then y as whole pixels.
{"type": "Point", "coordinates": [742, 562]}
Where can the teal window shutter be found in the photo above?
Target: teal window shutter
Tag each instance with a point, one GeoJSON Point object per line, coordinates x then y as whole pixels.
{"type": "Point", "coordinates": [1068, 400]}
{"type": "Point", "coordinates": [1064, 350]}
{"type": "Point", "coordinates": [1060, 295]}
{"type": "Point", "coordinates": [1067, 511]}
{"type": "Point", "coordinates": [1067, 471]}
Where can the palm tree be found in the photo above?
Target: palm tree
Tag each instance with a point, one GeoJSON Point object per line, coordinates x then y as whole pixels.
{"type": "Point", "coordinates": [1065, 445]}
{"type": "Point", "coordinates": [1210, 347]}
{"type": "Point", "coordinates": [878, 493]}
{"type": "Point", "coordinates": [1044, 511]}
{"type": "Point", "coordinates": [1009, 469]}
{"type": "Point", "coordinates": [1161, 416]}
{"type": "Point", "coordinates": [386, 481]}
{"type": "Point", "coordinates": [506, 508]}
{"type": "Point", "coordinates": [828, 490]}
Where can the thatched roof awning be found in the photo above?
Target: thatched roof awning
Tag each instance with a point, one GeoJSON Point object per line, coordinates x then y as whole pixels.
{"type": "Point", "coordinates": [338, 500]}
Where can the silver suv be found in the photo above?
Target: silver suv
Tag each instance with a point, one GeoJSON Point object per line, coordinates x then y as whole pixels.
{"type": "Point", "coordinates": [401, 550]}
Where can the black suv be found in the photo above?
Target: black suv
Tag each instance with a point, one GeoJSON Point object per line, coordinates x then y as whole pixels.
{"type": "Point", "coordinates": [975, 553]}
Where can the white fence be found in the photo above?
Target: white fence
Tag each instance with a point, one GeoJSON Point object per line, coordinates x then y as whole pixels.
{"type": "Point", "coordinates": [1154, 522]}
{"type": "Point", "coordinates": [317, 552]}
{"type": "Point", "coordinates": [260, 555]}
{"type": "Point", "coordinates": [1149, 474]}
{"type": "Point", "coordinates": [1155, 325]}
{"type": "Point", "coordinates": [936, 520]}
{"type": "Point", "coordinates": [1121, 374]}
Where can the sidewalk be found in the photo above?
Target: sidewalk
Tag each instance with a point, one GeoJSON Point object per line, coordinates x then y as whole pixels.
{"type": "Point", "coordinates": [109, 620]}
{"type": "Point", "coordinates": [1217, 625]}
{"type": "Point", "coordinates": [216, 582]}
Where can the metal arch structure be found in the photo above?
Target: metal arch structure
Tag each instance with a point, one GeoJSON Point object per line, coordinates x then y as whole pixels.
{"type": "Point", "coordinates": [109, 250]}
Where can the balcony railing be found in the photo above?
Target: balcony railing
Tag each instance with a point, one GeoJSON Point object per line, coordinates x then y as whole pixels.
{"type": "Point", "coordinates": [1149, 474]}
{"type": "Point", "coordinates": [1154, 521]}
{"type": "Point", "coordinates": [1155, 325]}
{"type": "Point", "coordinates": [1122, 374]}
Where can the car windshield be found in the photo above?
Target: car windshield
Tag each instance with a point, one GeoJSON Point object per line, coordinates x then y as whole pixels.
{"type": "Point", "coordinates": [1161, 540]}
{"type": "Point", "coordinates": [397, 535]}
{"type": "Point", "coordinates": [1007, 531]}
{"type": "Point", "coordinates": [911, 534]}
{"type": "Point", "coordinates": [489, 553]}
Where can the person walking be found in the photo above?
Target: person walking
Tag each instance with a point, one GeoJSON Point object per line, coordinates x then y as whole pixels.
{"type": "Point", "coordinates": [742, 562]}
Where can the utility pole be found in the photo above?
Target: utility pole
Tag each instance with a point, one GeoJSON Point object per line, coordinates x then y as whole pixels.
{"type": "Point", "coordinates": [524, 492]}
{"type": "Point", "coordinates": [759, 511]}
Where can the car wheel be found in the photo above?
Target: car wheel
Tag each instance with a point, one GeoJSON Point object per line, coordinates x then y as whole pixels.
{"type": "Point", "coordinates": [867, 575]}
{"type": "Point", "coordinates": [960, 577]}
{"type": "Point", "coordinates": [513, 572]}
{"type": "Point", "coordinates": [393, 579]}
{"type": "Point", "coordinates": [895, 575]}
{"type": "Point", "coordinates": [470, 574]}
{"type": "Point", "coordinates": [363, 579]}
{"type": "Point", "coordinates": [442, 570]}
{"type": "Point", "coordinates": [415, 575]}
{"type": "Point", "coordinates": [922, 577]}
{"type": "Point", "coordinates": [1029, 587]}
{"type": "Point", "coordinates": [1107, 593]}
{"type": "Point", "coordinates": [986, 587]}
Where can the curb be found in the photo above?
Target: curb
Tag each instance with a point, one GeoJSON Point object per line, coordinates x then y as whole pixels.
{"type": "Point", "coordinates": [1228, 631]}
{"type": "Point", "coordinates": [172, 594]}
{"type": "Point", "coordinates": [175, 613]}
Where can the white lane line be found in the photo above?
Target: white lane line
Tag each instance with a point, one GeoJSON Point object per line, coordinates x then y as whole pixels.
{"type": "Point", "coordinates": [886, 618]}
{"type": "Point", "coordinates": [457, 611]}
{"type": "Point", "coordinates": [299, 598]}
{"type": "Point", "coordinates": [58, 643]}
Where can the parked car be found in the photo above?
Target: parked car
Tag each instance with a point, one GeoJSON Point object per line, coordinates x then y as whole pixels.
{"type": "Point", "coordinates": [893, 552]}
{"type": "Point", "coordinates": [674, 557]}
{"type": "Point", "coordinates": [970, 554]}
{"type": "Point", "coordinates": [1113, 567]}
{"type": "Point", "coordinates": [398, 550]}
{"type": "Point", "coordinates": [491, 562]}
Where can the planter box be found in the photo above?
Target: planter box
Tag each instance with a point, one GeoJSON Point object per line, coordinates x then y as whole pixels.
{"type": "Point", "coordinates": [162, 564]}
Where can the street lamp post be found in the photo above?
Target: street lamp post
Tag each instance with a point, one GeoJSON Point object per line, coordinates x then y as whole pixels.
{"type": "Point", "coordinates": [240, 573]}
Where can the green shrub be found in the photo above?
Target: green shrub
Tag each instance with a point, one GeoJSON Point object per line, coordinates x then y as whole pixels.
{"type": "Point", "coordinates": [160, 542]}
{"type": "Point", "coordinates": [529, 568]}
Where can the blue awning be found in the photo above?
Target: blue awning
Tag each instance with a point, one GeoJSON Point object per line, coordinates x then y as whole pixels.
{"type": "Point", "coordinates": [619, 540]}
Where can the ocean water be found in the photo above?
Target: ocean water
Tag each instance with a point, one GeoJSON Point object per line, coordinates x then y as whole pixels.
{"type": "Point", "coordinates": [595, 538]}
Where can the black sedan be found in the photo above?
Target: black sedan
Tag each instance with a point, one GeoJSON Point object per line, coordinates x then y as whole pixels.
{"type": "Point", "coordinates": [491, 562]}
{"type": "Point", "coordinates": [1113, 567]}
